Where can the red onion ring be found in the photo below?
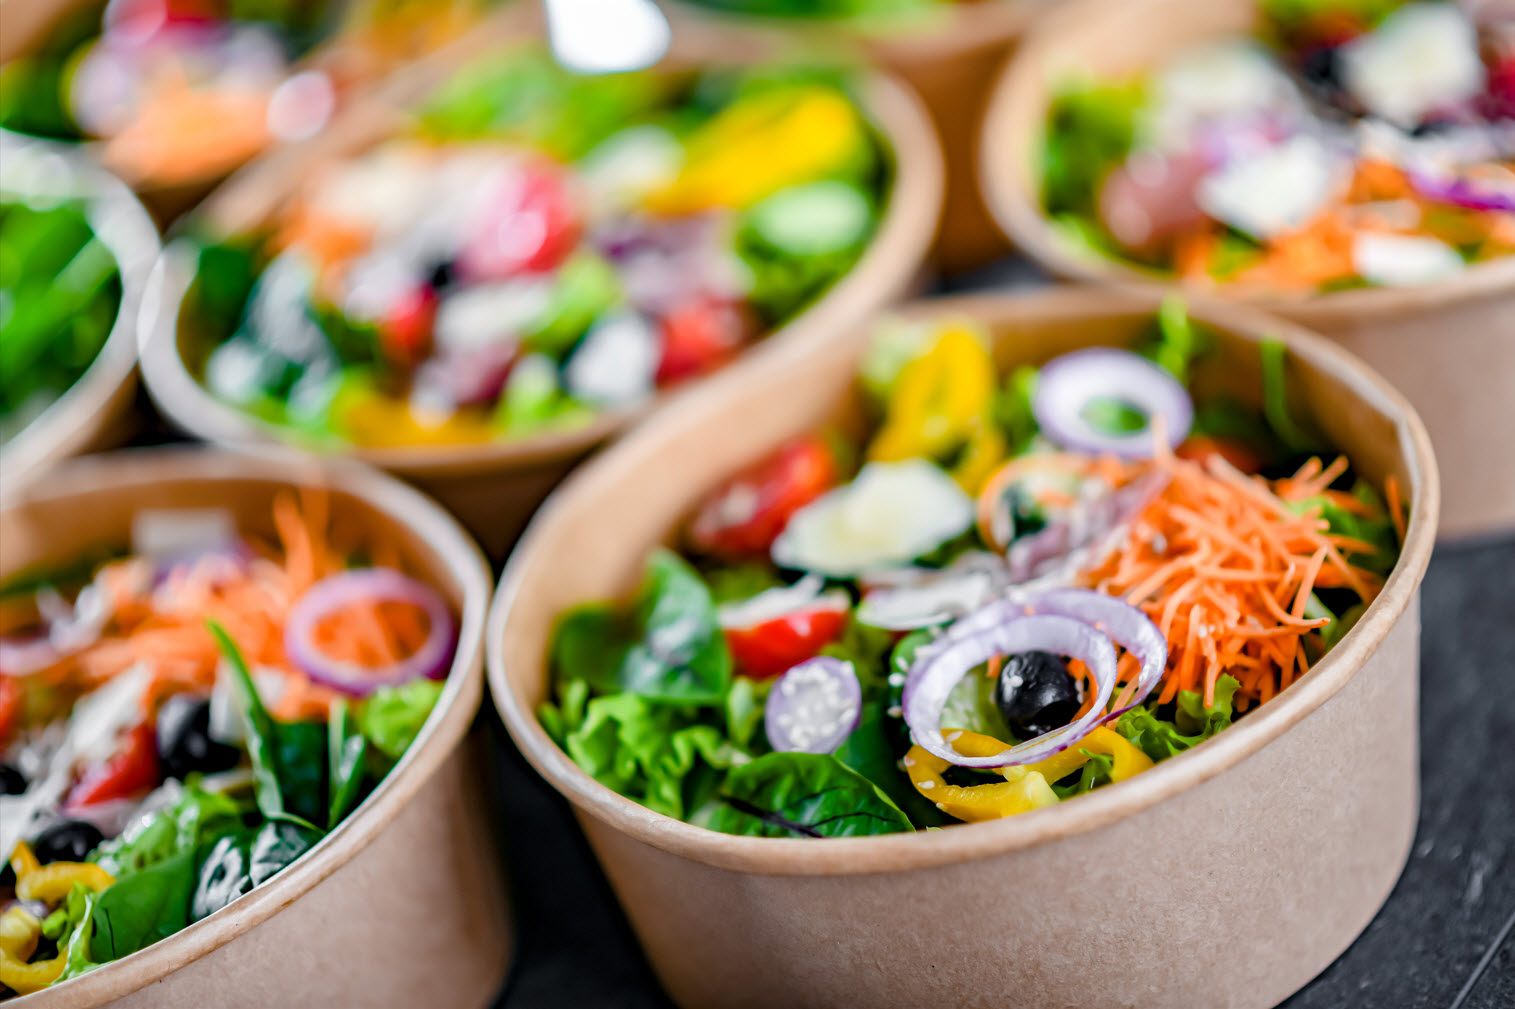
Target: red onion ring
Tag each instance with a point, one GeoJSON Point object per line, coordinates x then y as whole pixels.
{"type": "Point", "coordinates": [367, 585]}
{"type": "Point", "coordinates": [1462, 191]}
{"type": "Point", "coordinates": [1067, 546]}
{"type": "Point", "coordinates": [1123, 623]}
{"type": "Point", "coordinates": [993, 631]}
{"type": "Point", "coordinates": [1068, 383]}
{"type": "Point", "coordinates": [814, 706]}
{"type": "Point", "coordinates": [24, 656]}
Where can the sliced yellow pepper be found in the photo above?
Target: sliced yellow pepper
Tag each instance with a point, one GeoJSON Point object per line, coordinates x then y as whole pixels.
{"type": "Point", "coordinates": [52, 882]}
{"type": "Point", "coordinates": [1022, 791]}
{"type": "Point", "coordinates": [761, 144]}
{"type": "Point", "coordinates": [1026, 787]}
{"type": "Point", "coordinates": [19, 932]}
{"type": "Point", "coordinates": [23, 861]}
{"type": "Point", "coordinates": [942, 404]}
{"type": "Point", "coordinates": [1126, 758]}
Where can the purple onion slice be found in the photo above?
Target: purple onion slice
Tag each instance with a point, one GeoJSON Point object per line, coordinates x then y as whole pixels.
{"type": "Point", "coordinates": [334, 592]}
{"type": "Point", "coordinates": [1068, 385]}
{"type": "Point", "coordinates": [814, 706]}
{"type": "Point", "coordinates": [1123, 623]}
{"type": "Point", "coordinates": [1465, 191]}
{"type": "Point", "coordinates": [1002, 629]}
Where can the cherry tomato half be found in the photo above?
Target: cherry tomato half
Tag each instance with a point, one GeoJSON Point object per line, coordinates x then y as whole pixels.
{"type": "Point", "coordinates": [746, 514]}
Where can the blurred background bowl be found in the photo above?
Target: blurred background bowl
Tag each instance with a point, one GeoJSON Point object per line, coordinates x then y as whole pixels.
{"type": "Point", "coordinates": [1449, 347]}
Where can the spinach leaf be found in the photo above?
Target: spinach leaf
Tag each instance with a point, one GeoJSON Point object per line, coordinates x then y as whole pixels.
{"type": "Point", "coordinates": [346, 749]}
{"type": "Point", "coordinates": [668, 649]}
{"type": "Point", "coordinates": [261, 738]}
{"type": "Point", "coordinates": [142, 908]}
{"type": "Point", "coordinates": [276, 844]}
{"type": "Point", "coordinates": [390, 718]}
{"type": "Point", "coordinates": [301, 762]}
{"type": "Point", "coordinates": [1276, 410]}
{"type": "Point", "coordinates": [645, 750]}
{"type": "Point", "coordinates": [869, 752]}
{"type": "Point", "coordinates": [744, 710]}
{"type": "Point", "coordinates": [803, 795]}
{"type": "Point", "coordinates": [224, 876]}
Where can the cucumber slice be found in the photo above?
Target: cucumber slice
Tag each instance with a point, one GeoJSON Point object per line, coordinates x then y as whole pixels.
{"type": "Point", "coordinates": [816, 219]}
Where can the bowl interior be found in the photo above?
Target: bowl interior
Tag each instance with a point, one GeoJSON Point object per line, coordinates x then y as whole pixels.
{"type": "Point", "coordinates": [592, 540]}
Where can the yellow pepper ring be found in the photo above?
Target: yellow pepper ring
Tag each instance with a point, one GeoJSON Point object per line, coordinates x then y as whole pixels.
{"type": "Point", "coordinates": [1026, 786]}
{"type": "Point", "coordinates": [51, 883]}
{"type": "Point", "coordinates": [19, 932]}
{"type": "Point", "coordinates": [1023, 789]}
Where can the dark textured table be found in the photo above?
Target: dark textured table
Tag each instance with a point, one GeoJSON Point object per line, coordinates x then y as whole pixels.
{"type": "Point", "coordinates": [1444, 940]}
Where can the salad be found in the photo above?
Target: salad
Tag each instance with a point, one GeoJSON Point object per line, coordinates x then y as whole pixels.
{"type": "Point", "coordinates": [185, 90]}
{"type": "Point", "coordinates": [999, 593]}
{"type": "Point", "coordinates": [537, 248]}
{"type": "Point", "coordinates": [828, 9]}
{"type": "Point", "coordinates": [1349, 143]}
{"type": "Point", "coordinates": [180, 722]}
{"type": "Point", "coordinates": [60, 293]}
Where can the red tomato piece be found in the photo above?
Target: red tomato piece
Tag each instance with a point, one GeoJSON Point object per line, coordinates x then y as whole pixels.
{"type": "Point", "coordinates": [407, 328]}
{"type": "Point", "coordinates": [11, 705]}
{"type": "Point", "coordinates": [746, 514]}
{"type": "Point", "coordinates": [772, 647]}
{"type": "Point", "coordinates": [699, 336]}
{"type": "Point", "coordinates": [528, 225]}
{"type": "Point", "coordinates": [1199, 447]}
{"type": "Point", "coordinates": [132, 771]}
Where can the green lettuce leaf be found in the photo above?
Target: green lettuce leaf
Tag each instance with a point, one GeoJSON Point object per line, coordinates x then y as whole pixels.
{"type": "Point", "coordinates": [802, 795]}
{"type": "Point", "coordinates": [1192, 722]}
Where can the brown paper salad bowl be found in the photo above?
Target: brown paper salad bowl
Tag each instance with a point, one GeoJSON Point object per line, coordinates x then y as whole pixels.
{"type": "Point", "coordinates": [1427, 297]}
{"type": "Point", "coordinates": [1282, 835]}
{"type": "Point", "coordinates": [494, 368]}
{"type": "Point", "coordinates": [71, 375]}
{"type": "Point", "coordinates": [948, 51]}
{"type": "Point", "coordinates": [188, 835]}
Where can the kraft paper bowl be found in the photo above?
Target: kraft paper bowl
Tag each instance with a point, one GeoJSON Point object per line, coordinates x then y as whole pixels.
{"type": "Point", "coordinates": [404, 899]}
{"type": "Point", "coordinates": [950, 56]}
{"type": "Point", "coordinates": [92, 412]}
{"type": "Point", "coordinates": [1449, 347]}
{"type": "Point", "coordinates": [494, 487]}
{"type": "Point", "coordinates": [1227, 876]}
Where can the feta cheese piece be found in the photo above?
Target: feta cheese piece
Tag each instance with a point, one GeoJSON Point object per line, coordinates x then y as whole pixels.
{"type": "Point", "coordinates": [616, 363]}
{"type": "Point", "coordinates": [1225, 81]}
{"type": "Point", "coordinates": [1421, 58]}
{"type": "Point", "coordinates": [1404, 260]}
{"type": "Point", "coordinates": [892, 513]}
{"type": "Point", "coordinates": [1276, 191]}
{"type": "Point", "coordinates": [626, 167]}
{"type": "Point", "coordinates": [475, 317]}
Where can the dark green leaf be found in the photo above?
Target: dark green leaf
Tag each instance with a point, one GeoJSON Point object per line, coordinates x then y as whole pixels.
{"type": "Point", "coordinates": [261, 738]}
{"type": "Point", "coordinates": [142, 908]}
{"type": "Point", "coordinates": [803, 795]}
{"type": "Point", "coordinates": [346, 749]}
{"type": "Point", "coordinates": [276, 844]}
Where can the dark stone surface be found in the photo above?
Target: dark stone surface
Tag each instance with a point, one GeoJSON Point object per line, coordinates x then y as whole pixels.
{"type": "Point", "coordinates": [1444, 940]}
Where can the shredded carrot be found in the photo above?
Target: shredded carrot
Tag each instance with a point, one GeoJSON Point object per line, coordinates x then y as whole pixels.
{"type": "Point", "coordinates": [160, 623]}
{"type": "Point", "coordinates": [1225, 568]}
{"type": "Point", "coordinates": [1396, 508]}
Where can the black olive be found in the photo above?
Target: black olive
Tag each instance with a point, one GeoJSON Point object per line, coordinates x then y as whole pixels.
{"type": "Point", "coordinates": [441, 275]}
{"type": "Point", "coordinates": [12, 781]}
{"type": "Point", "coordinates": [1321, 67]}
{"type": "Point", "coordinates": [1035, 693]}
{"type": "Point", "coordinates": [184, 743]}
{"type": "Point", "coordinates": [67, 841]}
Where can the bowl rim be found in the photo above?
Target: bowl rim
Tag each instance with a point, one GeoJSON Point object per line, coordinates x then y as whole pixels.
{"type": "Point", "coordinates": [440, 738]}
{"type": "Point", "coordinates": [964, 842]}
{"type": "Point", "coordinates": [1022, 81]}
{"type": "Point", "coordinates": [68, 422]}
{"type": "Point", "coordinates": [888, 264]}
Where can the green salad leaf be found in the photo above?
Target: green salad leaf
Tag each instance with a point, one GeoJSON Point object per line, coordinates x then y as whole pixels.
{"type": "Point", "coordinates": [1192, 722]}
{"type": "Point", "coordinates": [1090, 130]}
{"type": "Point", "coordinates": [390, 718]}
{"type": "Point", "coordinates": [802, 795]}
{"type": "Point", "coordinates": [669, 648]}
{"type": "Point", "coordinates": [196, 817]}
{"type": "Point", "coordinates": [139, 909]}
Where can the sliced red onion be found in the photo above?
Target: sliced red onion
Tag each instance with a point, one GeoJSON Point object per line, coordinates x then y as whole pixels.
{"type": "Point", "coordinates": [367, 585]}
{"type": "Point", "coordinates": [1465, 191]}
{"type": "Point", "coordinates": [999, 629]}
{"type": "Point", "coordinates": [1080, 540]}
{"type": "Point", "coordinates": [1069, 383]}
{"type": "Point", "coordinates": [814, 706]}
{"type": "Point", "coordinates": [24, 656]}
